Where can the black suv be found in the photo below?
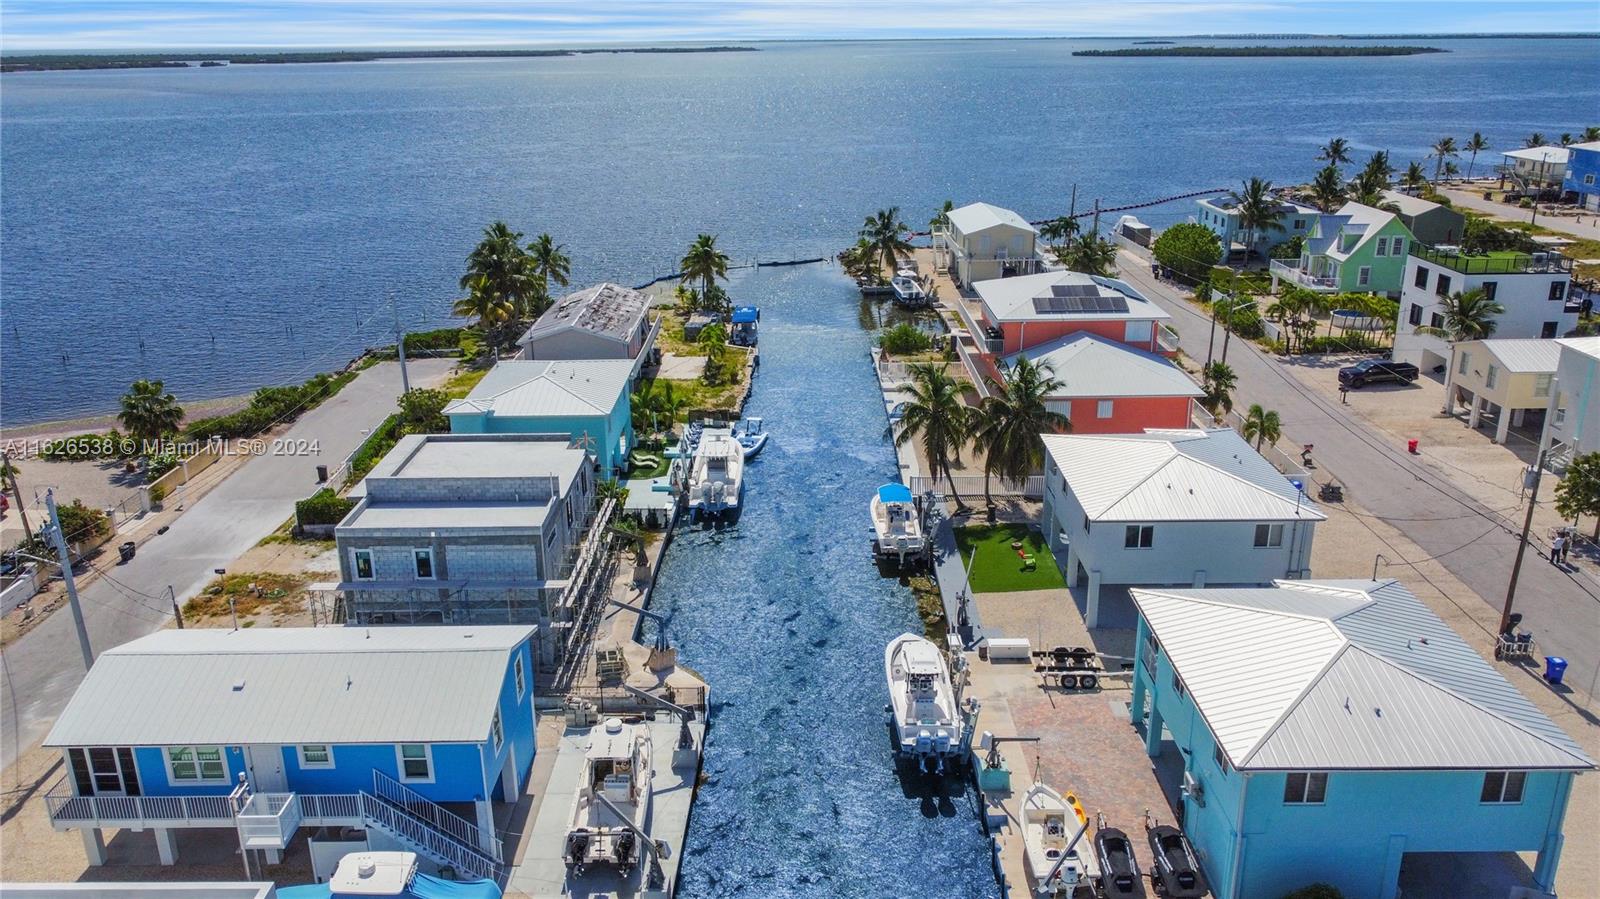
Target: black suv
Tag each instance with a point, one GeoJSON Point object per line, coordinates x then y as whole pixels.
{"type": "Point", "coordinates": [1371, 371]}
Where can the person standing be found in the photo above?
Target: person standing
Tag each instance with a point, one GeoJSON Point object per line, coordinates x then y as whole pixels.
{"type": "Point", "coordinates": [1555, 549]}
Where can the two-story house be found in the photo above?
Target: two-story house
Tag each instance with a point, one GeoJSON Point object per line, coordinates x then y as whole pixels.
{"type": "Point", "coordinates": [588, 399]}
{"type": "Point", "coordinates": [468, 529]}
{"type": "Point", "coordinates": [1190, 507]}
{"type": "Point", "coordinates": [1574, 427]}
{"type": "Point", "coordinates": [1582, 177]}
{"type": "Point", "coordinates": [606, 321]}
{"type": "Point", "coordinates": [1109, 388]}
{"type": "Point", "coordinates": [1221, 215]}
{"type": "Point", "coordinates": [1533, 288]}
{"type": "Point", "coordinates": [1430, 223]}
{"type": "Point", "coordinates": [1506, 379]}
{"type": "Point", "coordinates": [1534, 170]}
{"type": "Point", "coordinates": [410, 735]}
{"type": "Point", "coordinates": [1358, 249]}
{"type": "Point", "coordinates": [1338, 732]}
{"type": "Point", "coordinates": [986, 241]}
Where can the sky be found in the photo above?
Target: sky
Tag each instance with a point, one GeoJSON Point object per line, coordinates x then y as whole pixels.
{"type": "Point", "coordinates": [37, 25]}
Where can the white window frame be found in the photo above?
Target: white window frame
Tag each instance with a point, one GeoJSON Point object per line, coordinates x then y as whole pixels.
{"type": "Point", "coordinates": [1383, 246]}
{"type": "Point", "coordinates": [1269, 535]}
{"type": "Point", "coordinates": [199, 777]}
{"type": "Point", "coordinates": [400, 763]}
{"type": "Point", "coordinates": [1541, 384]}
{"type": "Point", "coordinates": [520, 675]}
{"type": "Point", "coordinates": [1104, 409]}
{"type": "Point", "coordinates": [1491, 376]}
{"type": "Point", "coordinates": [1305, 788]}
{"type": "Point", "coordinates": [306, 763]}
{"type": "Point", "coordinates": [497, 731]}
{"type": "Point", "coordinates": [1397, 246]}
{"type": "Point", "coordinates": [355, 564]}
{"type": "Point", "coordinates": [1506, 779]}
{"type": "Point", "coordinates": [433, 567]}
{"type": "Point", "coordinates": [1364, 276]}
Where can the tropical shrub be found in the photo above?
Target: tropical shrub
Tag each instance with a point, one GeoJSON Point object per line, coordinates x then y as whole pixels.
{"type": "Point", "coordinates": [1342, 343]}
{"type": "Point", "coordinates": [1189, 249]}
{"type": "Point", "coordinates": [423, 411]}
{"type": "Point", "coordinates": [1578, 494]}
{"type": "Point", "coordinates": [905, 338]}
{"type": "Point", "coordinates": [1245, 320]}
{"type": "Point", "coordinates": [158, 464]}
{"type": "Point", "coordinates": [380, 441]}
{"type": "Point", "coordinates": [269, 406]}
{"type": "Point", "coordinates": [1289, 249]}
{"type": "Point", "coordinates": [322, 507]}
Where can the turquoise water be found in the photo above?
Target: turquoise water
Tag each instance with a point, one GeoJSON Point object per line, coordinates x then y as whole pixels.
{"type": "Point", "coordinates": [222, 228]}
{"type": "Point", "coordinates": [787, 617]}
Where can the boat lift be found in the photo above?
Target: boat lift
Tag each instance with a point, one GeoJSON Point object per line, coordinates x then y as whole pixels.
{"type": "Point", "coordinates": [994, 775]}
{"type": "Point", "coordinates": [662, 655]}
{"type": "Point", "coordinates": [685, 715]}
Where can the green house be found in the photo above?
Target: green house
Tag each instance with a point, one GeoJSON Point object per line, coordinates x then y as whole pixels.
{"type": "Point", "coordinates": [1358, 249]}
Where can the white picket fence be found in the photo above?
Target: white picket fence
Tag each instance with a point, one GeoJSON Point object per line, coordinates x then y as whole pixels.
{"type": "Point", "coordinates": [972, 485]}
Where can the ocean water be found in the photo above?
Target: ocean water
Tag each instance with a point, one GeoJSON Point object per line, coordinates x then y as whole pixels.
{"type": "Point", "coordinates": [229, 227]}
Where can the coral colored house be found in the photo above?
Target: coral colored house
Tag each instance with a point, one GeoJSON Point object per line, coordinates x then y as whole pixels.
{"type": "Point", "coordinates": [1026, 311]}
{"type": "Point", "coordinates": [1108, 388]}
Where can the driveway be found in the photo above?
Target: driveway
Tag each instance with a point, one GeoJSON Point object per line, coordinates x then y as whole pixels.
{"type": "Point", "coordinates": [39, 673]}
{"type": "Point", "coordinates": [1562, 609]}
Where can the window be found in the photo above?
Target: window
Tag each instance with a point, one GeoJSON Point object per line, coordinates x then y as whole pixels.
{"type": "Point", "coordinates": [1399, 246]}
{"type": "Point", "coordinates": [1299, 224]}
{"type": "Point", "coordinates": [1461, 368]}
{"type": "Point", "coordinates": [1494, 373]}
{"type": "Point", "coordinates": [1383, 246]}
{"type": "Point", "coordinates": [1139, 536]}
{"type": "Point", "coordinates": [1588, 179]}
{"type": "Point", "coordinates": [1548, 330]}
{"type": "Point", "coordinates": [1269, 535]}
{"type": "Point", "coordinates": [1421, 280]}
{"type": "Point", "coordinates": [196, 764]}
{"type": "Point", "coordinates": [1442, 286]}
{"type": "Point", "coordinates": [1541, 384]}
{"type": "Point", "coordinates": [1086, 524]}
{"type": "Point", "coordinates": [1415, 315]}
{"type": "Point", "coordinates": [1364, 276]}
{"type": "Point", "coordinates": [497, 731]}
{"type": "Point", "coordinates": [424, 562]}
{"type": "Point", "coordinates": [1561, 417]}
{"type": "Point", "coordinates": [1436, 320]}
{"type": "Point", "coordinates": [1490, 288]}
{"type": "Point", "coordinates": [316, 755]}
{"type": "Point", "coordinates": [416, 762]}
{"type": "Point", "coordinates": [1558, 291]}
{"type": "Point", "coordinates": [521, 683]}
{"type": "Point", "coordinates": [363, 563]}
{"type": "Point", "coordinates": [1219, 758]}
{"type": "Point", "coordinates": [1138, 332]}
{"type": "Point", "coordinates": [1305, 787]}
{"type": "Point", "coordinates": [1502, 786]}
{"type": "Point", "coordinates": [1102, 409]}
{"type": "Point", "coordinates": [1177, 684]}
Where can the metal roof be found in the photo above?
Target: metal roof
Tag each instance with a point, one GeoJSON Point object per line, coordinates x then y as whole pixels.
{"type": "Point", "coordinates": [1013, 299]}
{"type": "Point", "coordinates": [1534, 356]}
{"type": "Point", "coordinates": [1089, 365]}
{"type": "Point", "coordinates": [1588, 346]}
{"type": "Point", "coordinates": [293, 685]}
{"type": "Point", "coordinates": [607, 309]}
{"type": "Point", "coordinates": [523, 388]}
{"type": "Point", "coordinates": [1355, 218]}
{"type": "Point", "coordinates": [1187, 475]}
{"type": "Point", "coordinates": [1410, 205]}
{"type": "Point", "coordinates": [1340, 675]}
{"type": "Point", "coordinates": [1540, 154]}
{"type": "Point", "coordinates": [975, 217]}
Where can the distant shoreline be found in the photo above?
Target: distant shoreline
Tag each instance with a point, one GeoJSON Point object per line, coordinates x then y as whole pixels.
{"type": "Point", "coordinates": [1263, 51]}
{"type": "Point", "coordinates": [61, 62]}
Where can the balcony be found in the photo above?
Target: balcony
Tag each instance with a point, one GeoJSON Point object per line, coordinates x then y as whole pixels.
{"type": "Point", "coordinates": [1167, 338]}
{"type": "Point", "coordinates": [1292, 273]}
{"type": "Point", "coordinates": [68, 812]}
{"type": "Point", "coordinates": [268, 821]}
{"type": "Point", "coordinates": [1496, 263]}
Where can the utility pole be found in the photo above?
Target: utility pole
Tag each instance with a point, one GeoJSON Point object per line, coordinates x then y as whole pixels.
{"type": "Point", "coordinates": [1527, 521]}
{"type": "Point", "coordinates": [1096, 216]}
{"type": "Point", "coordinates": [60, 540]}
{"type": "Point", "coordinates": [16, 492]}
{"type": "Point", "coordinates": [400, 344]}
{"type": "Point", "coordinates": [177, 613]}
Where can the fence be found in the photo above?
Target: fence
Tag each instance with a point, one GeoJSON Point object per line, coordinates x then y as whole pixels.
{"type": "Point", "coordinates": [1283, 462]}
{"type": "Point", "coordinates": [21, 588]}
{"type": "Point", "coordinates": [181, 474]}
{"type": "Point", "coordinates": [973, 485]}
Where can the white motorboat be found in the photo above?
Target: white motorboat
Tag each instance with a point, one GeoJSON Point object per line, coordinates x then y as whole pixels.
{"type": "Point", "coordinates": [907, 291]}
{"type": "Point", "coordinates": [1056, 846]}
{"type": "Point", "coordinates": [751, 435]}
{"type": "Point", "coordinates": [716, 473]}
{"type": "Point", "coordinates": [928, 724]}
{"type": "Point", "coordinates": [896, 524]}
{"type": "Point", "coordinates": [613, 802]}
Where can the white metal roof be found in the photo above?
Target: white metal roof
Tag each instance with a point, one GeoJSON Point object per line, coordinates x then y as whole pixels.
{"type": "Point", "coordinates": [1408, 204]}
{"type": "Point", "coordinates": [1012, 299]}
{"type": "Point", "coordinates": [1588, 346]}
{"type": "Point", "coordinates": [1089, 365]}
{"type": "Point", "coordinates": [975, 217]}
{"type": "Point", "coordinates": [606, 309]}
{"type": "Point", "coordinates": [1540, 154]}
{"type": "Point", "coordinates": [1340, 675]}
{"type": "Point", "coordinates": [1529, 356]}
{"type": "Point", "coordinates": [523, 388]}
{"type": "Point", "coordinates": [1181, 475]}
{"type": "Point", "coordinates": [293, 685]}
{"type": "Point", "coordinates": [1354, 218]}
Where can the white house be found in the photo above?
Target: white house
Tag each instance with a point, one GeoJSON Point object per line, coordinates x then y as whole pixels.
{"type": "Point", "coordinates": [1505, 379]}
{"type": "Point", "coordinates": [1172, 507]}
{"type": "Point", "coordinates": [1532, 287]}
{"type": "Point", "coordinates": [986, 242]}
{"type": "Point", "coordinates": [1535, 168]}
{"type": "Point", "coordinates": [1574, 428]}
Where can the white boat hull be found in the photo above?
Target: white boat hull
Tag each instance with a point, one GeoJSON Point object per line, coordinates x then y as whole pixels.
{"type": "Point", "coordinates": [896, 531]}
{"type": "Point", "coordinates": [716, 474]}
{"type": "Point", "coordinates": [927, 725]}
{"type": "Point", "coordinates": [1057, 866]}
{"type": "Point", "coordinates": [617, 766]}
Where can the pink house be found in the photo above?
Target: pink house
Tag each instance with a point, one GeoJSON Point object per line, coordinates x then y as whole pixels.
{"type": "Point", "coordinates": [1027, 311]}
{"type": "Point", "coordinates": [1108, 388]}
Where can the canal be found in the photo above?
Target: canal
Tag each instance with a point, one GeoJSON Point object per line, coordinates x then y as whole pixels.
{"type": "Point", "coordinates": [786, 616]}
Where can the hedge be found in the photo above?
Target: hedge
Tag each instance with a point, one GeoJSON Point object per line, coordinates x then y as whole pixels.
{"type": "Point", "coordinates": [322, 507]}
{"type": "Point", "coordinates": [269, 406]}
{"type": "Point", "coordinates": [380, 441]}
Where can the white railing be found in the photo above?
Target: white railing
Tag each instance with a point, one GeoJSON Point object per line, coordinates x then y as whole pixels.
{"type": "Point", "coordinates": [419, 836]}
{"type": "Point", "coordinates": [1167, 338]}
{"type": "Point", "coordinates": [66, 810]}
{"type": "Point", "coordinates": [268, 821]}
{"type": "Point", "coordinates": [420, 806]}
{"type": "Point", "coordinates": [1305, 279]}
{"type": "Point", "coordinates": [330, 809]}
{"type": "Point", "coordinates": [972, 485]}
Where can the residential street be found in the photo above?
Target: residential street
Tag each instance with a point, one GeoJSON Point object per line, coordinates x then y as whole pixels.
{"type": "Point", "coordinates": [1561, 609]}
{"type": "Point", "coordinates": [39, 673]}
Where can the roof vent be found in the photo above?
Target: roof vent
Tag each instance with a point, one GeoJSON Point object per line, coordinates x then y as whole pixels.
{"type": "Point", "coordinates": [238, 685]}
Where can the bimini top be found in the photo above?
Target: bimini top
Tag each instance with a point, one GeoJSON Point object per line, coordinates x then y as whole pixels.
{"type": "Point", "coordinates": [744, 315]}
{"type": "Point", "coordinates": [293, 685]}
{"type": "Point", "coordinates": [894, 493]}
{"type": "Point", "coordinates": [1345, 675]}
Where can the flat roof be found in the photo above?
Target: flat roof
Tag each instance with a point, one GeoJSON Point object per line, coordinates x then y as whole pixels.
{"type": "Point", "coordinates": [484, 456]}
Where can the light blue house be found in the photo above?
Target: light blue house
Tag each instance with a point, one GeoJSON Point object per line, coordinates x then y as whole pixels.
{"type": "Point", "coordinates": [1221, 215]}
{"type": "Point", "coordinates": [410, 734]}
{"type": "Point", "coordinates": [587, 399]}
{"type": "Point", "coordinates": [1339, 732]}
{"type": "Point", "coordinates": [1583, 175]}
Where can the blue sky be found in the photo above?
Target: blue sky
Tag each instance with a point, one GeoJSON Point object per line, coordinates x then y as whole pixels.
{"type": "Point", "coordinates": [126, 24]}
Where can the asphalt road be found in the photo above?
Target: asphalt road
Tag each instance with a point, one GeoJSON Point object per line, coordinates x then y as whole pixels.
{"type": "Point", "coordinates": [39, 673]}
{"type": "Point", "coordinates": [1560, 608]}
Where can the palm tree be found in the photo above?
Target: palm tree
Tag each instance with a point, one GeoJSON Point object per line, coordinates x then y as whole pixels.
{"type": "Point", "coordinates": [669, 402]}
{"type": "Point", "coordinates": [1262, 426]}
{"type": "Point", "coordinates": [1368, 187]}
{"type": "Point", "coordinates": [552, 265]}
{"type": "Point", "coordinates": [1536, 139]}
{"type": "Point", "coordinates": [486, 305]}
{"type": "Point", "coordinates": [1566, 138]}
{"type": "Point", "coordinates": [1414, 178]}
{"type": "Point", "coordinates": [1336, 152]}
{"type": "Point", "coordinates": [1469, 315]}
{"type": "Point", "coordinates": [1444, 148]}
{"type": "Point", "coordinates": [149, 412]}
{"type": "Point", "coordinates": [500, 260]}
{"type": "Point", "coordinates": [936, 414]}
{"type": "Point", "coordinates": [1591, 133]}
{"type": "Point", "coordinates": [941, 219]}
{"type": "Point", "coordinates": [1007, 427]}
{"type": "Point", "coordinates": [1327, 189]}
{"type": "Point", "coordinates": [704, 263]}
{"type": "Point", "coordinates": [1057, 230]}
{"type": "Point", "coordinates": [1088, 253]}
{"type": "Point", "coordinates": [1476, 143]}
{"type": "Point", "coordinates": [1379, 166]}
{"type": "Point", "coordinates": [1218, 381]}
{"type": "Point", "coordinates": [886, 233]}
{"type": "Point", "coordinates": [1258, 209]}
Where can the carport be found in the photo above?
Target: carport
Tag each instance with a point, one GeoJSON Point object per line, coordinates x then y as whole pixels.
{"type": "Point", "coordinates": [1507, 381]}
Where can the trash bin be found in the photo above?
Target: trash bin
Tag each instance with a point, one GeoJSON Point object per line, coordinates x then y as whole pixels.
{"type": "Point", "coordinates": [1554, 668]}
{"type": "Point", "coordinates": [126, 550]}
{"type": "Point", "coordinates": [1411, 447]}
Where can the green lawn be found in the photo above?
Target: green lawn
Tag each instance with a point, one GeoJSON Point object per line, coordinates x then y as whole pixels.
{"type": "Point", "coordinates": [638, 471]}
{"type": "Point", "coordinates": [998, 568]}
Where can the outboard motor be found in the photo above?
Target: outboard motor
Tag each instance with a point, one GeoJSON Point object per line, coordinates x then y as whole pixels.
{"type": "Point", "coordinates": [623, 850]}
{"type": "Point", "coordinates": [577, 845]}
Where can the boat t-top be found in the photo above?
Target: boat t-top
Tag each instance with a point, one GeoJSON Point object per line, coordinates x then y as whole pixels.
{"type": "Point", "coordinates": [613, 801]}
{"type": "Point", "coordinates": [1056, 845]}
{"type": "Point", "coordinates": [716, 474]}
{"type": "Point", "coordinates": [896, 524]}
{"type": "Point", "coordinates": [928, 724]}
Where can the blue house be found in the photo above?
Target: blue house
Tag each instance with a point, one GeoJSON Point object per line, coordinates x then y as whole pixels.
{"type": "Point", "coordinates": [1221, 215]}
{"type": "Point", "coordinates": [1335, 731]}
{"type": "Point", "coordinates": [587, 399]}
{"type": "Point", "coordinates": [1583, 175]}
{"type": "Point", "coordinates": [408, 733]}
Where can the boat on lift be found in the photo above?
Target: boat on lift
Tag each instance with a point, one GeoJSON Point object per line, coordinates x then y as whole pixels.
{"type": "Point", "coordinates": [752, 436]}
{"type": "Point", "coordinates": [613, 801]}
{"type": "Point", "coordinates": [928, 723]}
{"type": "Point", "coordinates": [1056, 846]}
{"type": "Point", "coordinates": [908, 291]}
{"type": "Point", "coordinates": [897, 531]}
{"type": "Point", "coordinates": [716, 473]}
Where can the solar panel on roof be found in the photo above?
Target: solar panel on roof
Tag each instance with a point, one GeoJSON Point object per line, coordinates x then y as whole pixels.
{"type": "Point", "coordinates": [1079, 304]}
{"type": "Point", "coordinates": [1075, 290]}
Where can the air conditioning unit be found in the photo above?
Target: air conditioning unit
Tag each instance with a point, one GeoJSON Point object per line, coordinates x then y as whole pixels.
{"type": "Point", "coordinates": [1194, 789]}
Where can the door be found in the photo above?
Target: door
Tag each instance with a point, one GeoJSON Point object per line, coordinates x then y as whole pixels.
{"type": "Point", "coordinates": [266, 769]}
{"type": "Point", "coordinates": [105, 771]}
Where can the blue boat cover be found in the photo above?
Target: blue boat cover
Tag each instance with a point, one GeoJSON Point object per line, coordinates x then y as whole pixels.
{"type": "Point", "coordinates": [745, 314]}
{"type": "Point", "coordinates": [422, 887]}
{"type": "Point", "coordinates": [894, 493]}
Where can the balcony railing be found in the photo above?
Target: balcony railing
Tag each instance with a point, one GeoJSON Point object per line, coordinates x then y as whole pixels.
{"type": "Point", "coordinates": [1292, 273]}
{"type": "Point", "coordinates": [1167, 338]}
{"type": "Point", "coordinates": [268, 821]}
{"type": "Point", "coordinates": [1495, 264]}
{"type": "Point", "coordinates": [67, 811]}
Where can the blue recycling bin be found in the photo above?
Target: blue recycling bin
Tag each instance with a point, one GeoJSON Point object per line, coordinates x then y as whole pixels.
{"type": "Point", "coordinates": [1554, 668]}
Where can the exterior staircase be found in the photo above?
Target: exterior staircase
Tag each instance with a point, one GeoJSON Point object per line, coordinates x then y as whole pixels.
{"type": "Point", "coordinates": [426, 828]}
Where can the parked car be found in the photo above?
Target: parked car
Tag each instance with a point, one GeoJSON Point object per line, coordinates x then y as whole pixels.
{"type": "Point", "coordinates": [1371, 371]}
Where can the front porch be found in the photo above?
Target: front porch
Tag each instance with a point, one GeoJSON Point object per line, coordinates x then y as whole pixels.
{"type": "Point", "coordinates": [1322, 278]}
